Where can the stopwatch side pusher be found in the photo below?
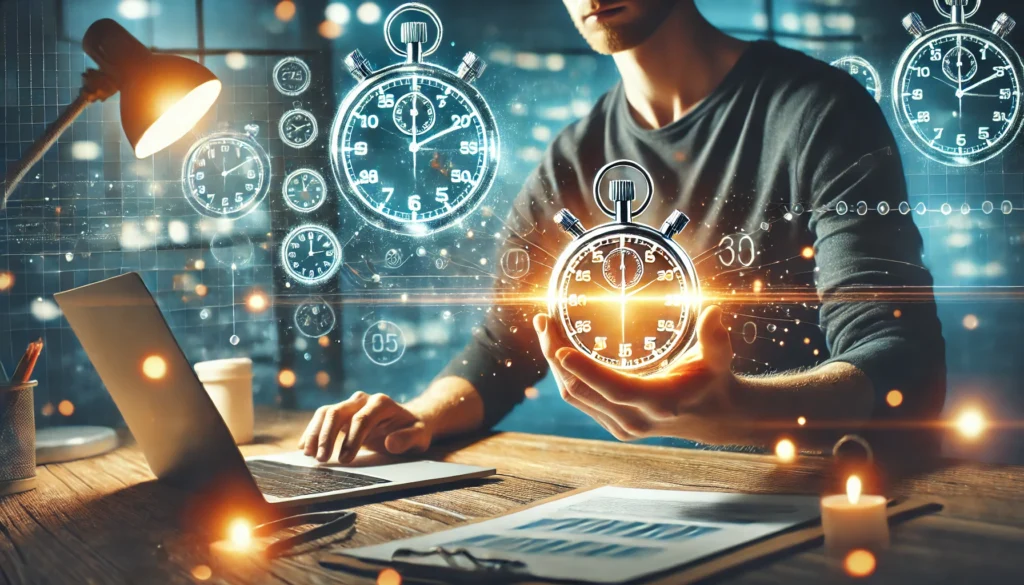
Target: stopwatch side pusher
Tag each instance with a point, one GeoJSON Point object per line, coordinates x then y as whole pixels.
{"type": "Point", "coordinates": [622, 196]}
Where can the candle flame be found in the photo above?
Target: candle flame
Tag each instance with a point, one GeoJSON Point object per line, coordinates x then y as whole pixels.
{"type": "Point", "coordinates": [853, 489]}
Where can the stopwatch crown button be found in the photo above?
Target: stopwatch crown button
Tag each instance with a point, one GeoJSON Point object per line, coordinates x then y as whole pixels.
{"type": "Point", "coordinates": [358, 65]}
{"type": "Point", "coordinates": [569, 223]}
{"type": "Point", "coordinates": [914, 25]}
{"type": "Point", "coordinates": [414, 32]}
{"type": "Point", "coordinates": [622, 190]}
{"type": "Point", "coordinates": [471, 68]}
{"type": "Point", "coordinates": [675, 223]}
{"type": "Point", "coordinates": [1003, 25]}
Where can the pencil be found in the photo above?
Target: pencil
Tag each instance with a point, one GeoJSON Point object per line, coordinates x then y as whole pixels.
{"type": "Point", "coordinates": [28, 362]}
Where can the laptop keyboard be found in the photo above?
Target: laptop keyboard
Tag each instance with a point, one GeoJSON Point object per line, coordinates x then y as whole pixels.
{"type": "Point", "coordinates": [288, 481]}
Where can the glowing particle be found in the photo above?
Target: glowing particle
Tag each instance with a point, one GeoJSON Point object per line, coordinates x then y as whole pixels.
{"type": "Point", "coordinates": [201, 290]}
{"type": "Point", "coordinates": [897, 313]}
{"type": "Point", "coordinates": [286, 378]}
{"type": "Point", "coordinates": [200, 264]}
{"type": "Point", "coordinates": [240, 533]}
{"type": "Point", "coordinates": [85, 150]}
{"type": "Point", "coordinates": [257, 302]}
{"type": "Point", "coordinates": [234, 340]}
{"type": "Point", "coordinates": [532, 393]}
{"type": "Point", "coordinates": [66, 408]}
{"type": "Point", "coordinates": [6, 280]}
{"type": "Point", "coordinates": [324, 341]}
{"type": "Point", "coordinates": [483, 262]}
{"type": "Point", "coordinates": [48, 409]}
{"type": "Point", "coordinates": [285, 10]}
{"type": "Point", "coordinates": [807, 340]}
{"type": "Point", "coordinates": [154, 367]}
{"type": "Point", "coordinates": [446, 315]}
{"type": "Point", "coordinates": [758, 286]}
{"type": "Point", "coordinates": [323, 379]}
{"type": "Point", "coordinates": [970, 322]}
{"type": "Point", "coordinates": [368, 13]}
{"type": "Point", "coordinates": [133, 9]}
{"type": "Point", "coordinates": [894, 398]}
{"type": "Point", "coordinates": [859, 563]}
{"type": "Point", "coordinates": [508, 363]}
{"type": "Point", "coordinates": [801, 421]}
{"type": "Point", "coordinates": [807, 252]}
{"type": "Point", "coordinates": [389, 577]}
{"type": "Point", "coordinates": [329, 29]}
{"type": "Point", "coordinates": [469, 234]}
{"type": "Point", "coordinates": [338, 12]}
{"type": "Point", "coordinates": [785, 450]}
{"type": "Point", "coordinates": [235, 60]}
{"type": "Point", "coordinates": [421, 251]}
{"type": "Point", "coordinates": [816, 352]}
{"type": "Point", "coordinates": [201, 572]}
{"type": "Point", "coordinates": [970, 423]}
{"type": "Point", "coordinates": [772, 327]}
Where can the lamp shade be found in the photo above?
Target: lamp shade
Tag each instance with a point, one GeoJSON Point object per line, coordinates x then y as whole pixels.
{"type": "Point", "coordinates": [162, 96]}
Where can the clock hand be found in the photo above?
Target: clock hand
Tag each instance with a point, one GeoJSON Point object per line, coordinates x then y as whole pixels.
{"type": "Point", "coordinates": [634, 291]}
{"type": "Point", "coordinates": [622, 297]}
{"type": "Point", "coordinates": [416, 146]}
{"type": "Point", "coordinates": [982, 82]}
{"type": "Point", "coordinates": [414, 113]}
{"type": "Point", "coordinates": [234, 168]}
{"type": "Point", "coordinates": [960, 82]}
{"type": "Point", "coordinates": [311, 246]}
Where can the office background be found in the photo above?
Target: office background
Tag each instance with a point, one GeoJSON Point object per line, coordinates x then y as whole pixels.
{"type": "Point", "coordinates": [90, 210]}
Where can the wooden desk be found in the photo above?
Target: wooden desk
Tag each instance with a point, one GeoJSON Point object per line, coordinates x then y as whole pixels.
{"type": "Point", "coordinates": [103, 520]}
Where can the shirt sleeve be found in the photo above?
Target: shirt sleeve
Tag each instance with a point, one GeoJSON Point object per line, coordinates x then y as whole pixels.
{"type": "Point", "coordinates": [878, 308]}
{"type": "Point", "coordinates": [503, 357]}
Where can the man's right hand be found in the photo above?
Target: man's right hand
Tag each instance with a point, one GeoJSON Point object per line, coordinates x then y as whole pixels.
{"type": "Point", "coordinates": [376, 421]}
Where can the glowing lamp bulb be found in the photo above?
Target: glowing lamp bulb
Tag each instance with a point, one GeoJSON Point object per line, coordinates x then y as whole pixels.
{"type": "Point", "coordinates": [854, 487]}
{"type": "Point", "coordinates": [154, 367]}
{"type": "Point", "coordinates": [970, 423]}
{"type": "Point", "coordinates": [240, 533]}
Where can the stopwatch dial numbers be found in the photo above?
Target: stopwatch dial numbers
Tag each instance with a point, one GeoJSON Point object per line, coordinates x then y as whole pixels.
{"type": "Point", "coordinates": [960, 96]}
{"type": "Point", "coordinates": [415, 149]}
{"type": "Point", "coordinates": [623, 300]}
{"type": "Point", "coordinates": [863, 72]}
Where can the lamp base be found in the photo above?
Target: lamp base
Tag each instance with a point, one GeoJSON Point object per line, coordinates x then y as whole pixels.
{"type": "Point", "coordinates": [60, 444]}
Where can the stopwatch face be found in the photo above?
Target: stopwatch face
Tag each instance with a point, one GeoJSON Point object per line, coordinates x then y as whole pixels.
{"type": "Point", "coordinates": [304, 190]}
{"type": "Point", "coordinates": [298, 128]}
{"type": "Point", "coordinates": [627, 301]}
{"type": "Point", "coordinates": [415, 150]}
{"type": "Point", "coordinates": [957, 96]}
{"type": "Point", "coordinates": [314, 318]}
{"type": "Point", "coordinates": [311, 254]}
{"type": "Point", "coordinates": [863, 72]}
{"type": "Point", "coordinates": [291, 76]}
{"type": "Point", "coordinates": [226, 175]}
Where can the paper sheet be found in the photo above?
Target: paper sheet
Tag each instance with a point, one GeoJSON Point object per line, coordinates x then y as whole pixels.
{"type": "Point", "coordinates": [614, 534]}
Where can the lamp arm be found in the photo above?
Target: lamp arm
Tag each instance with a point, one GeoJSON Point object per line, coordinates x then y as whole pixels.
{"type": "Point", "coordinates": [96, 86]}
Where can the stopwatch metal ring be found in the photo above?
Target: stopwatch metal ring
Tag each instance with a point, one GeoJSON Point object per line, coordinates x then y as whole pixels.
{"type": "Point", "coordinates": [938, 6]}
{"type": "Point", "coordinates": [412, 7]}
{"type": "Point", "coordinates": [614, 165]}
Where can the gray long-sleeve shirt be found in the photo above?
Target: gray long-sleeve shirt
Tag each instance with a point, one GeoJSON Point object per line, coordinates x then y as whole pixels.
{"type": "Point", "coordinates": [785, 143]}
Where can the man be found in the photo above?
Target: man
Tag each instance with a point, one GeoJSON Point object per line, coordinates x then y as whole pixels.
{"type": "Point", "coordinates": [730, 131]}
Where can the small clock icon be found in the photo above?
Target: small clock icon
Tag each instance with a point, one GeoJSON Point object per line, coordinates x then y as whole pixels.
{"type": "Point", "coordinates": [298, 128]}
{"type": "Point", "coordinates": [304, 190]}
{"type": "Point", "coordinates": [315, 318]}
{"type": "Point", "coordinates": [291, 76]}
{"type": "Point", "coordinates": [414, 113]}
{"type": "Point", "coordinates": [311, 254]}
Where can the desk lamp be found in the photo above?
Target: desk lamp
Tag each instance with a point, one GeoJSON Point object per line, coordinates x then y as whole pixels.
{"type": "Point", "coordinates": [162, 98]}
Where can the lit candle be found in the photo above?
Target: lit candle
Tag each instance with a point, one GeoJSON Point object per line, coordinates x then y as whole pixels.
{"type": "Point", "coordinates": [854, 520]}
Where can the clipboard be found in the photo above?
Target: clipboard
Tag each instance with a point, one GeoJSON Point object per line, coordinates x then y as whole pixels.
{"type": "Point", "coordinates": [464, 567]}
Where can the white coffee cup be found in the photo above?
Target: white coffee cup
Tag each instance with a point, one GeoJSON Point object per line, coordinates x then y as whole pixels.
{"type": "Point", "coordinates": [229, 384]}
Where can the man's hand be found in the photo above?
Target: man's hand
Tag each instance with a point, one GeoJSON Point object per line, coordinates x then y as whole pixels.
{"type": "Point", "coordinates": [376, 421]}
{"type": "Point", "coordinates": [694, 399]}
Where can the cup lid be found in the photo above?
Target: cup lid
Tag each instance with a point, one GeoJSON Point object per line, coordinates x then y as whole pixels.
{"type": "Point", "coordinates": [227, 368]}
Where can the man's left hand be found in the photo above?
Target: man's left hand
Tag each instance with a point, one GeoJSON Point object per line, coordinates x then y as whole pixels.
{"type": "Point", "coordinates": [695, 398]}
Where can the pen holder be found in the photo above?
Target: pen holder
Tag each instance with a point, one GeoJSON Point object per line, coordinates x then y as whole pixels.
{"type": "Point", "coordinates": [17, 437]}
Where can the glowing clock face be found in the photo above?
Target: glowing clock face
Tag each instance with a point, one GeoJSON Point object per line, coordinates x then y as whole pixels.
{"type": "Point", "coordinates": [416, 151]}
{"type": "Point", "coordinates": [863, 72]}
{"type": "Point", "coordinates": [298, 128]}
{"type": "Point", "coordinates": [315, 318]}
{"type": "Point", "coordinates": [311, 254]}
{"type": "Point", "coordinates": [626, 301]}
{"type": "Point", "coordinates": [226, 175]}
{"type": "Point", "coordinates": [304, 190]}
{"type": "Point", "coordinates": [959, 97]}
{"type": "Point", "coordinates": [291, 76]}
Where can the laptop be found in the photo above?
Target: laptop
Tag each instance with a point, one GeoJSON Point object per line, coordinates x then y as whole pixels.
{"type": "Point", "coordinates": [184, 438]}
